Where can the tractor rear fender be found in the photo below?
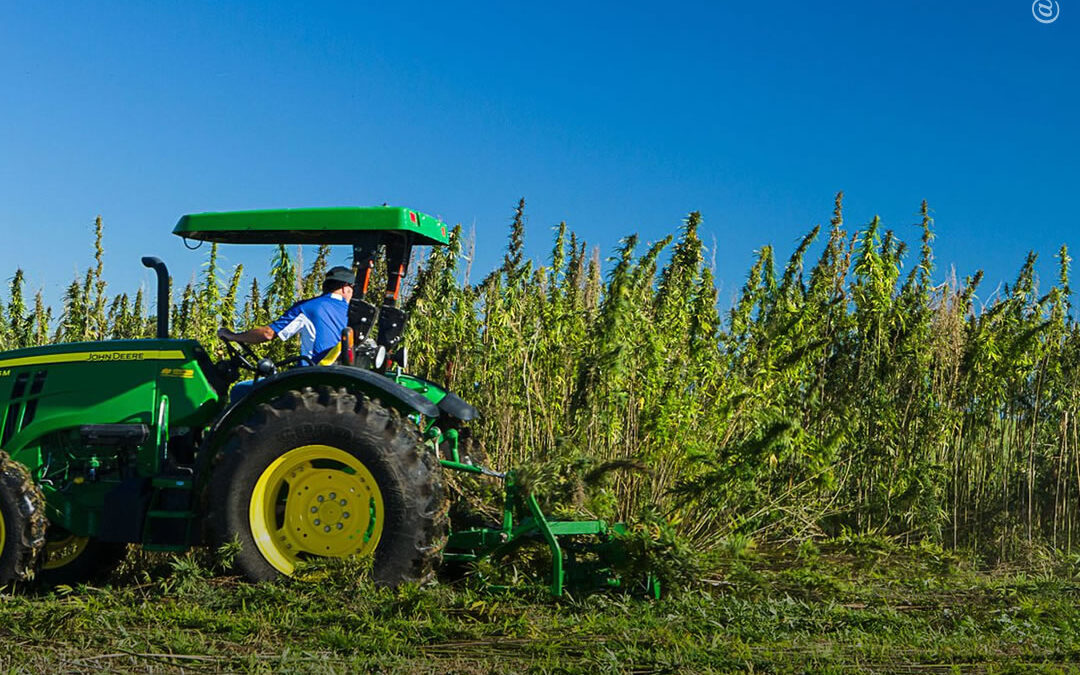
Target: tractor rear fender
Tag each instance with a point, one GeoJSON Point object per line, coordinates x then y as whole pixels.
{"type": "Point", "coordinates": [356, 380]}
{"type": "Point", "coordinates": [449, 403]}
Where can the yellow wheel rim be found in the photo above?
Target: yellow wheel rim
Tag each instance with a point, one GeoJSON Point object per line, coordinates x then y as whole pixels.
{"type": "Point", "coordinates": [62, 552]}
{"type": "Point", "coordinates": [315, 500]}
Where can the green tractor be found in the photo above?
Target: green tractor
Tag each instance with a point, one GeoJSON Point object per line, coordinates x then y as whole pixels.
{"type": "Point", "coordinates": [107, 444]}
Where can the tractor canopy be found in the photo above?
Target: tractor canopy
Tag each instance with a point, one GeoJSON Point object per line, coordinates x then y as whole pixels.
{"type": "Point", "coordinates": [344, 225]}
{"type": "Point", "coordinates": [393, 230]}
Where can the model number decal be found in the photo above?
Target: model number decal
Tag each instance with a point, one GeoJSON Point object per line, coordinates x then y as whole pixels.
{"type": "Point", "coordinates": [5, 373]}
{"type": "Point", "coordinates": [185, 373]}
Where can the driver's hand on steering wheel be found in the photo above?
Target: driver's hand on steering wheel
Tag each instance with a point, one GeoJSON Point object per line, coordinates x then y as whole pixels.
{"type": "Point", "coordinates": [225, 334]}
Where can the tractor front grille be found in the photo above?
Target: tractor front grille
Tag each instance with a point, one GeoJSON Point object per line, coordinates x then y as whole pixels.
{"type": "Point", "coordinates": [23, 405]}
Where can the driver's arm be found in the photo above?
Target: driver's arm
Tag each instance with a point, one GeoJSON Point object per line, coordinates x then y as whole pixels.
{"type": "Point", "coordinates": [255, 336]}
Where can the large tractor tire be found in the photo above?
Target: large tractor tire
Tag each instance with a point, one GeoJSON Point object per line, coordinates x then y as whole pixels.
{"type": "Point", "coordinates": [22, 522]}
{"type": "Point", "coordinates": [71, 559]}
{"type": "Point", "coordinates": [324, 473]}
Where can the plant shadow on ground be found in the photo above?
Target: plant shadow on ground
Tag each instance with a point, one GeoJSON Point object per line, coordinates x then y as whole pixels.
{"type": "Point", "coordinates": [850, 603]}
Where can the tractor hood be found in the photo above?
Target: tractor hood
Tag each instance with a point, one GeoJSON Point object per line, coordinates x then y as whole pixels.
{"type": "Point", "coordinates": [345, 225]}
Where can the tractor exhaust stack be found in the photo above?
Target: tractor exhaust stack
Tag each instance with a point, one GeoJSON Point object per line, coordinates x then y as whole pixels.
{"type": "Point", "coordinates": [162, 294]}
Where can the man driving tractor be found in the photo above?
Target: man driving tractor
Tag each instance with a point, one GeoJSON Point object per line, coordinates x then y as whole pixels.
{"type": "Point", "coordinates": [318, 321]}
{"type": "Point", "coordinates": [119, 442]}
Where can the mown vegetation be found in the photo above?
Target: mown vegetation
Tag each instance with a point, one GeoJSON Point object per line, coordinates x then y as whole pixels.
{"type": "Point", "coordinates": [855, 393]}
{"type": "Point", "coordinates": [849, 604]}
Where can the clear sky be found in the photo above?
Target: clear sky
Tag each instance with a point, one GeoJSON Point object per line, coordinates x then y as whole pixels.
{"type": "Point", "coordinates": [616, 117]}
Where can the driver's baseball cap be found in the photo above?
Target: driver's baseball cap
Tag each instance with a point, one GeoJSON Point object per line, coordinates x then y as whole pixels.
{"type": "Point", "coordinates": [340, 274]}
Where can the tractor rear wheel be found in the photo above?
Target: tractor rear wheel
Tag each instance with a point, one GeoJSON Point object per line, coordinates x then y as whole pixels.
{"type": "Point", "coordinates": [71, 559]}
{"type": "Point", "coordinates": [22, 522]}
{"type": "Point", "coordinates": [324, 473]}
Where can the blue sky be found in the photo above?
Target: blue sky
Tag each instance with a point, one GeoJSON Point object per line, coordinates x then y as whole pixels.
{"type": "Point", "coordinates": [616, 117]}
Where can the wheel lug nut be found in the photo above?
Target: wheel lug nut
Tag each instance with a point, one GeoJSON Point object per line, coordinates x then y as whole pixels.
{"type": "Point", "coordinates": [317, 521]}
{"type": "Point", "coordinates": [333, 495]}
{"type": "Point", "coordinates": [343, 502]}
{"type": "Point", "coordinates": [314, 509]}
{"type": "Point", "coordinates": [339, 526]}
{"type": "Point", "coordinates": [345, 515]}
{"type": "Point", "coordinates": [326, 529]}
{"type": "Point", "coordinates": [321, 498]}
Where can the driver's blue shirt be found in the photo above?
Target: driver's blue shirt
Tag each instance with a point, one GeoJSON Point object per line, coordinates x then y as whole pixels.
{"type": "Point", "coordinates": [318, 321]}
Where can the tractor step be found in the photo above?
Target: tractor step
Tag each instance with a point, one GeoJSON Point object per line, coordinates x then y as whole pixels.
{"type": "Point", "coordinates": [171, 514]}
{"type": "Point", "coordinates": [168, 524]}
{"type": "Point", "coordinates": [165, 548]}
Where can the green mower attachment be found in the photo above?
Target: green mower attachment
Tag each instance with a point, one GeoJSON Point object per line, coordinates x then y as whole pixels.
{"type": "Point", "coordinates": [584, 561]}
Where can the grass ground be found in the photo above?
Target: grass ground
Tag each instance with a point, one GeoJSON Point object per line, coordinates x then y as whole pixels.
{"type": "Point", "coordinates": [842, 606]}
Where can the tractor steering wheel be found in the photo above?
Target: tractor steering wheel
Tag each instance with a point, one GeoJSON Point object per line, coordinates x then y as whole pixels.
{"type": "Point", "coordinates": [243, 355]}
{"type": "Point", "coordinates": [246, 357]}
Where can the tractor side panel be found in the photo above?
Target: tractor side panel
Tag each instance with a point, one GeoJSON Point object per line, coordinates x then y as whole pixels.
{"type": "Point", "coordinates": [193, 400]}
{"type": "Point", "coordinates": [44, 398]}
{"type": "Point", "coordinates": [47, 394]}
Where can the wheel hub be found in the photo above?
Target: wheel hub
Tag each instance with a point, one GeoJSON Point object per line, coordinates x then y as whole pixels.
{"type": "Point", "coordinates": [315, 500]}
{"type": "Point", "coordinates": [318, 518]}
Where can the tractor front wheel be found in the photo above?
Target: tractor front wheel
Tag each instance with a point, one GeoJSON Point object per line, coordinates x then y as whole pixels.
{"type": "Point", "coordinates": [323, 473]}
{"type": "Point", "coordinates": [22, 522]}
{"type": "Point", "coordinates": [71, 559]}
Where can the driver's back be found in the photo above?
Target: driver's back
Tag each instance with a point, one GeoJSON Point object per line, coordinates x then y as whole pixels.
{"type": "Point", "coordinates": [317, 321]}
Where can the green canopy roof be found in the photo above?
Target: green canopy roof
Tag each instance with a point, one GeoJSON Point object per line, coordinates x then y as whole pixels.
{"type": "Point", "coordinates": [345, 225]}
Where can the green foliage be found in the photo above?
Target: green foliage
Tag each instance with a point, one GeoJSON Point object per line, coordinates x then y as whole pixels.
{"type": "Point", "coordinates": [312, 284]}
{"type": "Point", "coordinates": [844, 393]}
{"type": "Point", "coordinates": [19, 325]}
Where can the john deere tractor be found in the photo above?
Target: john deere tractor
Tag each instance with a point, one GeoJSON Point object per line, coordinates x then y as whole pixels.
{"type": "Point", "coordinates": [112, 443]}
